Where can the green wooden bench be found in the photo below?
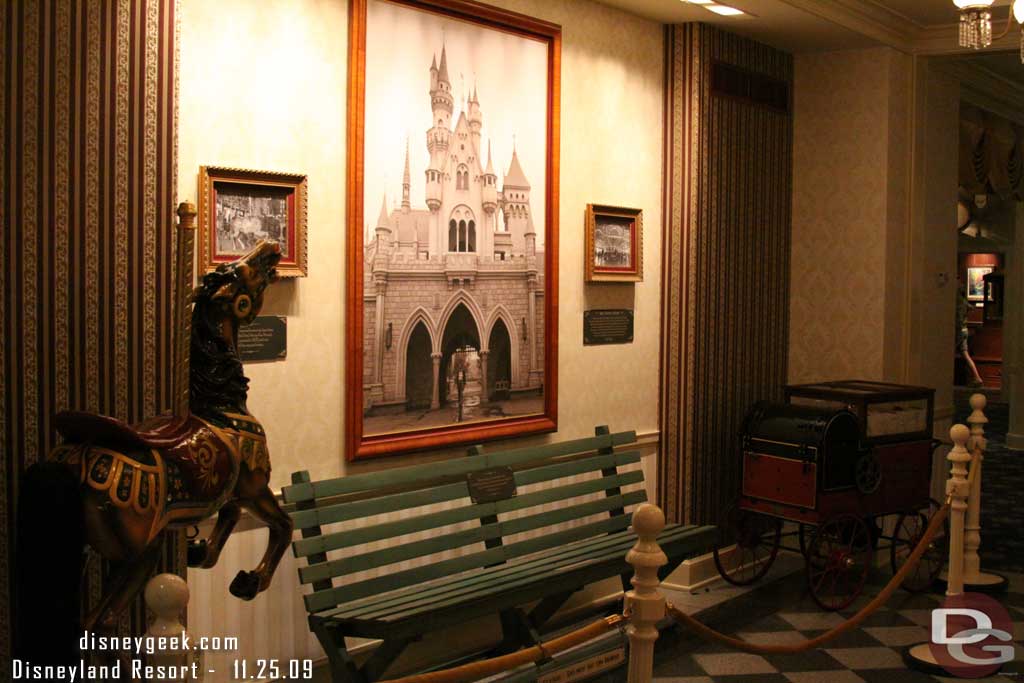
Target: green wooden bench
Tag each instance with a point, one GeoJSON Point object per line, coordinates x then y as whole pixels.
{"type": "Point", "coordinates": [488, 566]}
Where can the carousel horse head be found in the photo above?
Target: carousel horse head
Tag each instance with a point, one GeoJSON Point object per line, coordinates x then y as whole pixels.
{"type": "Point", "coordinates": [228, 297]}
{"type": "Point", "coordinates": [236, 289]}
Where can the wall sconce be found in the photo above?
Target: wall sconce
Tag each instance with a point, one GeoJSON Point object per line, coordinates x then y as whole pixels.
{"type": "Point", "coordinates": [387, 338]}
{"type": "Point", "coordinates": [524, 329]}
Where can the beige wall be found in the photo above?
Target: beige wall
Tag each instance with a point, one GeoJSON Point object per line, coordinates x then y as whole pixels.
{"type": "Point", "coordinates": [262, 86]}
{"type": "Point", "coordinates": [849, 203]}
{"type": "Point", "coordinates": [874, 193]}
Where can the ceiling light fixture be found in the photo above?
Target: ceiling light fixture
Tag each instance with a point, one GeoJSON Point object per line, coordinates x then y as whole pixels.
{"type": "Point", "coordinates": [975, 23]}
{"type": "Point", "coordinates": [725, 10]}
{"type": "Point", "coordinates": [1018, 14]}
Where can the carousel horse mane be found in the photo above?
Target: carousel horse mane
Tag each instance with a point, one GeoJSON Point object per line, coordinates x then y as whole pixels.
{"type": "Point", "coordinates": [217, 383]}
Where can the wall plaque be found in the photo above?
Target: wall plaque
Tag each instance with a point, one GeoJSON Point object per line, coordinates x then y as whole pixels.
{"type": "Point", "coordinates": [488, 486]}
{"type": "Point", "coordinates": [608, 326]}
{"type": "Point", "coordinates": [266, 338]}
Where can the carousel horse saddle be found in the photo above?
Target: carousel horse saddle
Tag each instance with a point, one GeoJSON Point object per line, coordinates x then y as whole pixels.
{"type": "Point", "coordinates": [160, 432]}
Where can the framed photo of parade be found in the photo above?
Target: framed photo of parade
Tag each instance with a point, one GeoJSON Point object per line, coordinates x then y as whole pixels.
{"type": "Point", "coordinates": [614, 244]}
{"type": "Point", "coordinates": [240, 207]}
{"type": "Point", "coordinates": [452, 199]}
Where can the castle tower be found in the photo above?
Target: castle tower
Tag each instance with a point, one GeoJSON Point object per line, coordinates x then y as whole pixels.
{"type": "Point", "coordinates": [490, 189]}
{"type": "Point", "coordinates": [515, 195]}
{"type": "Point", "coordinates": [476, 119]}
{"type": "Point", "coordinates": [383, 229]}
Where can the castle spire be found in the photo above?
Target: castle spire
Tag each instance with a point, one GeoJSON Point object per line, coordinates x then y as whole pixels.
{"type": "Point", "coordinates": [383, 223]}
{"type": "Point", "coordinates": [515, 176]}
{"type": "Point", "coordinates": [490, 166]}
{"type": "Point", "coordinates": [443, 69]}
{"type": "Point", "coordinates": [405, 180]}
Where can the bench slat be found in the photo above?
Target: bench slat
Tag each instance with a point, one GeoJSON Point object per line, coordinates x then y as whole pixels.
{"type": "Point", "coordinates": [678, 541]}
{"type": "Point", "coordinates": [615, 553]}
{"type": "Point", "coordinates": [407, 551]}
{"type": "Point", "coordinates": [576, 544]}
{"type": "Point", "coordinates": [433, 520]}
{"type": "Point", "coordinates": [406, 475]}
{"type": "Point", "coordinates": [328, 598]}
{"type": "Point", "coordinates": [346, 510]}
{"type": "Point", "coordinates": [523, 591]}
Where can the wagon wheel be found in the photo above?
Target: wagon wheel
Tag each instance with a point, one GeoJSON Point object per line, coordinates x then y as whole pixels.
{"type": "Point", "coordinates": [910, 527]}
{"type": "Point", "coordinates": [838, 560]}
{"type": "Point", "coordinates": [757, 543]}
{"type": "Point", "coordinates": [867, 473]}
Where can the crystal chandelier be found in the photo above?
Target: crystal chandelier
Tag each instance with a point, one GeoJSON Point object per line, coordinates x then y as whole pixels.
{"type": "Point", "coordinates": [1018, 14]}
{"type": "Point", "coordinates": [975, 23]}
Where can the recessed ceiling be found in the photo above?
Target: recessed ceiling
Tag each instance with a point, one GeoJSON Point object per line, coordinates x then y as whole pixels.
{"type": "Point", "coordinates": [931, 12]}
{"type": "Point", "coordinates": [773, 22]}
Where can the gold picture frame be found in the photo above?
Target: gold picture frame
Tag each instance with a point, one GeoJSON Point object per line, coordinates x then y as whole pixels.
{"type": "Point", "coordinates": [238, 207]}
{"type": "Point", "coordinates": [614, 244]}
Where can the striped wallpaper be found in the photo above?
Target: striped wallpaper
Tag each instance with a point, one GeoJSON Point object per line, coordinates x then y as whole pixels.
{"type": "Point", "coordinates": [87, 193]}
{"type": "Point", "coordinates": [728, 181]}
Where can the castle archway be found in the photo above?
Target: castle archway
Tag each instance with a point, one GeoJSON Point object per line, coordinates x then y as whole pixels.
{"type": "Point", "coordinates": [419, 373]}
{"type": "Point", "coordinates": [459, 331]}
{"type": "Point", "coordinates": [499, 362]}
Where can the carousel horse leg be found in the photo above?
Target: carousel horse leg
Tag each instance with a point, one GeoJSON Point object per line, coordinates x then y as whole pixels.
{"type": "Point", "coordinates": [265, 508]}
{"type": "Point", "coordinates": [205, 553]}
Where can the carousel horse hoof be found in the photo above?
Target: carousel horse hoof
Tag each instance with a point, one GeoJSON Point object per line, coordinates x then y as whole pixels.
{"type": "Point", "coordinates": [245, 585]}
{"type": "Point", "coordinates": [197, 552]}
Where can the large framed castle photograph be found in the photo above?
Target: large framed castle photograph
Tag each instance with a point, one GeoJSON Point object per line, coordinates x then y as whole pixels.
{"type": "Point", "coordinates": [452, 218]}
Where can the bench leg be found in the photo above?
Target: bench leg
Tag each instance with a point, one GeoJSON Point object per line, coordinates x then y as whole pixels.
{"type": "Point", "coordinates": [383, 657]}
{"type": "Point", "coordinates": [343, 668]}
{"type": "Point", "coordinates": [516, 631]}
{"type": "Point", "coordinates": [546, 608]}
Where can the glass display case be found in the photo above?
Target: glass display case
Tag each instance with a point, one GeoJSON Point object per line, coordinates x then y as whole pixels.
{"type": "Point", "coordinates": [887, 412]}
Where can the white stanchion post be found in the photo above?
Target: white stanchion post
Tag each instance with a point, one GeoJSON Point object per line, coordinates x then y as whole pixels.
{"type": "Point", "coordinates": [645, 605]}
{"type": "Point", "coordinates": [920, 656]}
{"type": "Point", "coordinates": [167, 597]}
{"type": "Point", "coordinates": [957, 490]}
{"type": "Point", "coordinates": [974, 578]}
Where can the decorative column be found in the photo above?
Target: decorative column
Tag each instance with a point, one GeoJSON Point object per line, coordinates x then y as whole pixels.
{"type": "Point", "coordinates": [1013, 343]}
{"type": "Point", "coordinates": [378, 356]}
{"type": "Point", "coordinates": [974, 579]}
{"type": "Point", "coordinates": [484, 395]}
{"type": "Point", "coordinates": [645, 605]}
{"type": "Point", "coordinates": [435, 396]}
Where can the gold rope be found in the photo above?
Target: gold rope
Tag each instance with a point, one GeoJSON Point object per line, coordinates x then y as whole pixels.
{"type": "Point", "coordinates": [488, 667]}
{"type": "Point", "coordinates": [852, 622]}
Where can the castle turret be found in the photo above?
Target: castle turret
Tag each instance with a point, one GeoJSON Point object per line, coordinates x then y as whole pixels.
{"type": "Point", "coordinates": [476, 119]}
{"type": "Point", "coordinates": [515, 203]}
{"type": "Point", "coordinates": [490, 188]}
{"type": "Point", "coordinates": [383, 229]}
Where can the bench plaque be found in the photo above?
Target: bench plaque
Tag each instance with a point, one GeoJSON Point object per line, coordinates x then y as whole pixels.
{"type": "Point", "coordinates": [489, 486]}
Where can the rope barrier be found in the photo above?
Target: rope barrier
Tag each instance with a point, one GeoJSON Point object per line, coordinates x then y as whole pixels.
{"type": "Point", "coordinates": [709, 633]}
{"type": "Point", "coordinates": [488, 667]}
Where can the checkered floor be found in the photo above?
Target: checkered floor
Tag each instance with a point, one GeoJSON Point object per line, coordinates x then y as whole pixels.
{"type": "Point", "coordinates": [780, 611]}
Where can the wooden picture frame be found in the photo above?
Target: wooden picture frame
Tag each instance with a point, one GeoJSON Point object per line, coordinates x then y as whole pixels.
{"type": "Point", "coordinates": [614, 244]}
{"type": "Point", "coordinates": [489, 270]}
{"type": "Point", "coordinates": [976, 282]}
{"type": "Point", "coordinates": [238, 207]}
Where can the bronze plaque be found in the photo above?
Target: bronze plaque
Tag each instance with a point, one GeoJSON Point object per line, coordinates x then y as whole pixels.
{"type": "Point", "coordinates": [608, 326]}
{"type": "Point", "coordinates": [266, 338]}
{"type": "Point", "coordinates": [488, 486]}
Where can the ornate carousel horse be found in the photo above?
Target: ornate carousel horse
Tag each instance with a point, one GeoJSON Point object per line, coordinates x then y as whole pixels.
{"type": "Point", "coordinates": [116, 487]}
